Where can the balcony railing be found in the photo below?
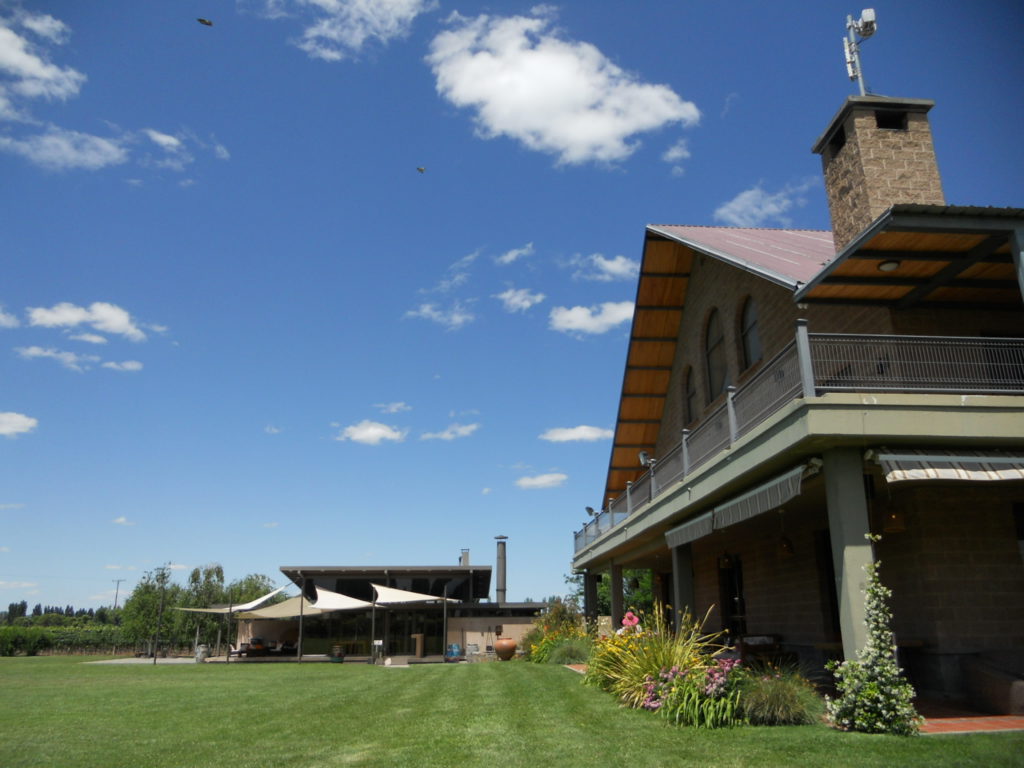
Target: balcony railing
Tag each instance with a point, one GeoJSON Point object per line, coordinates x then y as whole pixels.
{"type": "Point", "coordinates": [813, 364]}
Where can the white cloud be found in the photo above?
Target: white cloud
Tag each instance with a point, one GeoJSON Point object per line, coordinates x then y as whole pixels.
{"type": "Point", "coordinates": [176, 155]}
{"type": "Point", "coordinates": [577, 434]}
{"type": "Point", "coordinates": [675, 154]}
{"type": "Point", "coordinates": [270, 429]}
{"type": "Point", "coordinates": [270, 525]}
{"type": "Point", "coordinates": [485, 491]}
{"type": "Point", "coordinates": [508, 257]}
{"type": "Point", "coordinates": [71, 360]}
{"type": "Point", "coordinates": [598, 319]}
{"type": "Point", "coordinates": [26, 66]}
{"type": "Point", "coordinates": [122, 520]}
{"type": "Point", "coordinates": [131, 366]}
{"type": "Point", "coordinates": [90, 338]}
{"type": "Point", "coordinates": [11, 425]}
{"type": "Point", "coordinates": [7, 320]}
{"type": "Point", "coordinates": [551, 480]}
{"type": "Point", "coordinates": [453, 432]}
{"type": "Point", "coordinates": [519, 299]}
{"type": "Point", "coordinates": [17, 584]}
{"type": "Point", "coordinates": [101, 315]}
{"type": "Point", "coordinates": [597, 267]}
{"type": "Point", "coordinates": [755, 207]}
{"type": "Point", "coordinates": [372, 433]}
{"type": "Point", "coordinates": [393, 407]}
{"type": "Point", "coordinates": [452, 318]}
{"type": "Point", "coordinates": [176, 567]}
{"type": "Point", "coordinates": [119, 567]}
{"type": "Point", "coordinates": [556, 96]}
{"type": "Point", "coordinates": [9, 506]}
{"type": "Point", "coordinates": [5, 549]}
{"type": "Point", "coordinates": [60, 149]}
{"type": "Point", "coordinates": [344, 26]}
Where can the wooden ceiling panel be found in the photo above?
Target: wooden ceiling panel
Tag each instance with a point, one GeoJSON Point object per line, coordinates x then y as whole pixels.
{"type": "Point", "coordinates": [651, 353]}
{"type": "Point", "coordinates": [643, 381]}
{"type": "Point", "coordinates": [662, 292]}
{"type": "Point", "coordinates": [636, 433]}
{"type": "Point", "coordinates": [974, 295]}
{"type": "Point", "coordinates": [664, 257]}
{"type": "Point", "coordinates": [658, 324]}
{"type": "Point", "coordinates": [956, 242]}
{"type": "Point", "coordinates": [634, 408]}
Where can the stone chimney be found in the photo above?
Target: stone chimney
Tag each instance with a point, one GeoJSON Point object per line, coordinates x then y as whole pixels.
{"type": "Point", "coordinates": [877, 152]}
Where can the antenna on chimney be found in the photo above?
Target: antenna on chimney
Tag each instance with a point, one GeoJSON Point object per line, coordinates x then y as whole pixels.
{"type": "Point", "coordinates": [857, 31]}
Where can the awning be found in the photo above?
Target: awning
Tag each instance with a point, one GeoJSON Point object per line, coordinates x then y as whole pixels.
{"type": "Point", "coordinates": [691, 530]}
{"type": "Point", "coordinates": [925, 464]}
{"type": "Point", "coordinates": [765, 497]}
{"type": "Point", "coordinates": [391, 596]}
{"type": "Point", "coordinates": [326, 602]}
{"type": "Point", "coordinates": [235, 608]}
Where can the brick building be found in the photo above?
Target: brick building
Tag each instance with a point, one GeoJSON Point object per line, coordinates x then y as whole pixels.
{"type": "Point", "coordinates": [787, 392]}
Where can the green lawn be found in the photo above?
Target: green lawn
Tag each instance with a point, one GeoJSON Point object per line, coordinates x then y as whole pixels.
{"type": "Point", "coordinates": [58, 712]}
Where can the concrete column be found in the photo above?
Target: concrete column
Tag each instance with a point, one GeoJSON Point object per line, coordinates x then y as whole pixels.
{"type": "Point", "coordinates": [590, 582]}
{"type": "Point", "coordinates": [682, 583]}
{"type": "Point", "coordinates": [848, 525]}
{"type": "Point", "coordinates": [617, 597]}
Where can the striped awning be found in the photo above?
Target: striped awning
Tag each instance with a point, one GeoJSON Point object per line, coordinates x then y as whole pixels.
{"type": "Point", "coordinates": [925, 464]}
{"type": "Point", "coordinates": [765, 497]}
{"type": "Point", "coordinates": [691, 530]}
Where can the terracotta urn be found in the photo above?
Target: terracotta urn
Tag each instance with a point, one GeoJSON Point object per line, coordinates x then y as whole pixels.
{"type": "Point", "coordinates": [505, 648]}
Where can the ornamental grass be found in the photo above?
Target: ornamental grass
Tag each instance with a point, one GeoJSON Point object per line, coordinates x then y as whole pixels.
{"type": "Point", "coordinates": [626, 662]}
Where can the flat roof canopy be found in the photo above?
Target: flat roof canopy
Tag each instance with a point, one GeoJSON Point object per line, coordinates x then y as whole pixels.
{"type": "Point", "coordinates": [464, 582]}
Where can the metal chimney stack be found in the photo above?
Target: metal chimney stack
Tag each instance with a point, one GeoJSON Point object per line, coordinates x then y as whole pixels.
{"type": "Point", "coordinates": [499, 591]}
{"type": "Point", "coordinates": [464, 557]}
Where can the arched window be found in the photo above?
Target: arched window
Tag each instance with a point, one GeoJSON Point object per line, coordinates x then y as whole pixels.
{"type": "Point", "coordinates": [714, 354]}
{"type": "Point", "coordinates": [752, 351]}
{"type": "Point", "coordinates": [690, 396]}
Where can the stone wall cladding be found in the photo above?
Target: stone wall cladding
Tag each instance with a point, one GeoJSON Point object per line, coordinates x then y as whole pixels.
{"type": "Point", "coordinates": [877, 168]}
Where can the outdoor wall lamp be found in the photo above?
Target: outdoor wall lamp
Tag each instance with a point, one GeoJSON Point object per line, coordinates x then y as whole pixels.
{"type": "Point", "coordinates": [889, 266]}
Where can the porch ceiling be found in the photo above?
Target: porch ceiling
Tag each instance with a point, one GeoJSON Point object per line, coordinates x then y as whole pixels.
{"type": "Point", "coordinates": [926, 256]}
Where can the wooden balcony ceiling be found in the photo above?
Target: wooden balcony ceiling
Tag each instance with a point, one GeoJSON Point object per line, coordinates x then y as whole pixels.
{"type": "Point", "coordinates": [927, 256]}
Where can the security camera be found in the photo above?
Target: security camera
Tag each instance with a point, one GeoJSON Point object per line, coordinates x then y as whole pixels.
{"type": "Point", "coordinates": [867, 26]}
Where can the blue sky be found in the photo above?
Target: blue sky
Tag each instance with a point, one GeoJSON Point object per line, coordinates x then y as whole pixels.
{"type": "Point", "coordinates": [239, 325]}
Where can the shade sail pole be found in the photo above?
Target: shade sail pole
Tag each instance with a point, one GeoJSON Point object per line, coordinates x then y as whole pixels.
{"type": "Point", "coordinates": [302, 605]}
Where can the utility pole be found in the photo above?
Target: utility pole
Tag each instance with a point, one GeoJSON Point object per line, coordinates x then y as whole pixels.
{"type": "Point", "coordinates": [117, 590]}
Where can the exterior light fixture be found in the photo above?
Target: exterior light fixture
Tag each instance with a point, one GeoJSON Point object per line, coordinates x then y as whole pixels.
{"type": "Point", "coordinates": [889, 266]}
{"type": "Point", "coordinates": [895, 522]}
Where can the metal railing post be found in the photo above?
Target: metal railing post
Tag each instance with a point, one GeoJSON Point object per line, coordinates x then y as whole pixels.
{"type": "Point", "coordinates": [651, 486]}
{"type": "Point", "coordinates": [686, 452]}
{"type": "Point", "coordinates": [730, 407]}
{"type": "Point", "coordinates": [629, 497]}
{"type": "Point", "coordinates": [803, 356]}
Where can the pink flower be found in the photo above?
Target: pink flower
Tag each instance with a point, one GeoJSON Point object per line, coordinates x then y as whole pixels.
{"type": "Point", "coordinates": [630, 619]}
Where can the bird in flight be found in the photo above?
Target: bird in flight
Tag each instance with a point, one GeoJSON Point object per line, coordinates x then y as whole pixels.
{"type": "Point", "coordinates": [205, 22]}
{"type": "Point", "coordinates": [421, 169]}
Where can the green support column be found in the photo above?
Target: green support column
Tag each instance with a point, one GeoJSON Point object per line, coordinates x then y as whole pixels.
{"type": "Point", "coordinates": [590, 582]}
{"type": "Point", "coordinates": [682, 583]}
{"type": "Point", "coordinates": [616, 596]}
{"type": "Point", "coordinates": [848, 525]}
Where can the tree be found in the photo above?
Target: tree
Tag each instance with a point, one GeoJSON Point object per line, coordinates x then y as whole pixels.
{"type": "Point", "coordinates": [143, 622]}
{"type": "Point", "coordinates": [637, 591]}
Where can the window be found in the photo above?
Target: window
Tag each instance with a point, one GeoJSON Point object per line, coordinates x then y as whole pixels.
{"type": "Point", "coordinates": [714, 354]}
{"type": "Point", "coordinates": [690, 399]}
{"type": "Point", "coordinates": [749, 335]}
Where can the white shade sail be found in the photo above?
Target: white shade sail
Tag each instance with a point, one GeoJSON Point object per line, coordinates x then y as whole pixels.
{"type": "Point", "coordinates": [326, 602]}
{"type": "Point", "coordinates": [235, 608]}
{"type": "Point", "coordinates": [392, 596]}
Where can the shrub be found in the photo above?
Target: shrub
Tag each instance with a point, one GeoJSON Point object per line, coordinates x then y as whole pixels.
{"type": "Point", "coordinates": [778, 696]}
{"type": "Point", "coordinates": [628, 661]}
{"type": "Point", "coordinates": [708, 700]}
{"type": "Point", "coordinates": [873, 695]}
{"type": "Point", "coordinates": [560, 624]}
{"type": "Point", "coordinates": [575, 650]}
